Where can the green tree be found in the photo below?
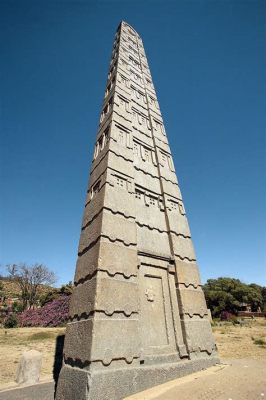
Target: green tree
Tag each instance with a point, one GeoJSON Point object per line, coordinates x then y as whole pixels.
{"type": "Point", "coordinates": [11, 321]}
{"type": "Point", "coordinates": [227, 294]}
{"type": "Point", "coordinates": [1, 289]}
{"type": "Point", "coordinates": [65, 290]}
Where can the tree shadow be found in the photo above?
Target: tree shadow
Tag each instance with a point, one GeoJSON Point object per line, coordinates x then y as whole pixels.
{"type": "Point", "coordinates": [58, 359]}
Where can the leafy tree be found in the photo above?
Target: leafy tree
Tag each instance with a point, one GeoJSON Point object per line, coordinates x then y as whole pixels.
{"type": "Point", "coordinates": [65, 290]}
{"type": "Point", "coordinates": [17, 307]}
{"type": "Point", "coordinates": [30, 279]}
{"type": "Point", "coordinates": [264, 297]}
{"type": "Point", "coordinates": [1, 289]}
{"type": "Point", "coordinates": [11, 321]}
{"type": "Point", "coordinates": [227, 294]}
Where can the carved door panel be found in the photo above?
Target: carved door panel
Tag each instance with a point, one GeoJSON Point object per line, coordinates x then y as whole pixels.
{"type": "Point", "coordinates": [156, 321]}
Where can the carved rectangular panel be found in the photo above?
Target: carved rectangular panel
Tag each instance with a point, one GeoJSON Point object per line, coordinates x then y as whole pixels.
{"type": "Point", "coordinates": [153, 311]}
{"type": "Point", "coordinates": [156, 314]}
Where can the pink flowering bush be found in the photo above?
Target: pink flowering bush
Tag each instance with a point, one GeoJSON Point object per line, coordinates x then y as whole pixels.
{"type": "Point", "coordinates": [52, 314]}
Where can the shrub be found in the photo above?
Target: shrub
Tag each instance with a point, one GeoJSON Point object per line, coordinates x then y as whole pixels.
{"type": "Point", "coordinates": [17, 307]}
{"type": "Point", "coordinates": [227, 316]}
{"type": "Point", "coordinates": [259, 342]}
{"type": "Point", "coordinates": [52, 314]}
{"type": "Point", "coordinates": [41, 336]}
{"type": "Point", "coordinates": [11, 321]}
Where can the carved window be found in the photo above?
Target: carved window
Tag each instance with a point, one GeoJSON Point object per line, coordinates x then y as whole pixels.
{"type": "Point", "coordinates": [134, 62]}
{"type": "Point", "coordinates": [120, 181]}
{"type": "Point", "coordinates": [106, 135]}
{"type": "Point", "coordinates": [110, 102]}
{"type": "Point", "coordinates": [164, 159]}
{"type": "Point", "coordinates": [152, 200]}
{"type": "Point", "coordinates": [142, 120]}
{"type": "Point", "coordinates": [104, 112]}
{"type": "Point", "coordinates": [108, 89]}
{"type": "Point", "coordinates": [136, 76]}
{"type": "Point", "coordinates": [123, 103]}
{"type": "Point", "coordinates": [95, 188]}
{"type": "Point", "coordinates": [111, 71]}
{"type": "Point", "coordinates": [101, 143]}
{"type": "Point", "coordinates": [114, 55]}
{"type": "Point", "coordinates": [148, 82]}
{"type": "Point", "coordinates": [123, 62]}
{"type": "Point", "coordinates": [124, 80]}
{"type": "Point", "coordinates": [147, 154]}
{"type": "Point", "coordinates": [173, 205]}
{"type": "Point", "coordinates": [158, 126]}
{"type": "Point", "coordinates": [181, 209]}
{"type": "Point", "coordinates": [132, 90]}
{"type": "Point", "coordinates": [136, 149]}
{"type": "Point", "coordinates": [132, 41]}
{"type": "Point", "coordinates": [138, 194]}
{"type": "Point", "coordinates": [96, 151]}
{"type": "Point", "coordinates": [121, 138]}
{"type": "Point", "coordinates": [131, 32]}
{"type": "Point", "coordinates": [133, 50]}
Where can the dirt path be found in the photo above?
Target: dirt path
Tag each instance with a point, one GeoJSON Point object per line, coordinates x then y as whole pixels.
{"type": "Point", "coordinates": [238, 379]}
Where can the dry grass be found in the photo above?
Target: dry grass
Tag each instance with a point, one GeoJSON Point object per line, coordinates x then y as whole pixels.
{"type": "Point", "coordinates": [11, 288]}
{"type": "Point", "coordinates": [233, 341]}
{"type": "Point", "coordinates": [13, 342]}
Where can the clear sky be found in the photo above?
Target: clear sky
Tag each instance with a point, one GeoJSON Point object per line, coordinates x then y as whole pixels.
{"type": "Point", "coordinates": [207, 60]}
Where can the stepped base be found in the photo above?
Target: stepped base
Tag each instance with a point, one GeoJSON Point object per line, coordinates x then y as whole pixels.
{"type": "Point", "coordinates": [116, 384]}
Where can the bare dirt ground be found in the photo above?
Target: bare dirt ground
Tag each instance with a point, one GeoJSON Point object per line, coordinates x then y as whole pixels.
{"type": "Point", "coordinates": [237, 341]}
{"type": "Point", "coordinates": [13, 342]}
{"type": "Point", "coordinates": [233, 341]}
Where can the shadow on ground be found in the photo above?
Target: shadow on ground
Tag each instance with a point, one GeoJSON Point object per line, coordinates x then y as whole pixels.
{"type": "Point", "coordinates": [58, 359]}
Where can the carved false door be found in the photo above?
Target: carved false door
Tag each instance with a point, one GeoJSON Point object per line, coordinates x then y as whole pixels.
{"type": "Point", "coordinates": [159, 321]}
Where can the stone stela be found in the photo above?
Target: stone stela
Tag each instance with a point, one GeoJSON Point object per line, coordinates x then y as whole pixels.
{"type": "Point", "coordinates": [138, 316]}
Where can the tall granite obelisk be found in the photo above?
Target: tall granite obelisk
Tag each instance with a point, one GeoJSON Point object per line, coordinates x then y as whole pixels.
{"type": "Point", "coordinates": [138, 316]}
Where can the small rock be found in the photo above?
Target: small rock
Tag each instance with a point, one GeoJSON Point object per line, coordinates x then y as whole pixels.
{"type": "Point", "coordinates": [29, 368]}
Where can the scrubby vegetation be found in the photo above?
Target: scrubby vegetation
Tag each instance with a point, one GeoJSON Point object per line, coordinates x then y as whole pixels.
{"type": "Point", "coordinates": [28, 299]}
{"type": "Point", "coordinates": [54, 313]}
{"type": "Point", "coordinates": [11, 321]}
{"type": "Point", "coordinates": [229, 295]}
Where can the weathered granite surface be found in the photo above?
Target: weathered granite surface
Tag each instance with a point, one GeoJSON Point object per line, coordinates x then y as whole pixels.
{"type": "Point", "coordinates": [29, 367]}
{"type": "Point", "coordinates": [138, 316]}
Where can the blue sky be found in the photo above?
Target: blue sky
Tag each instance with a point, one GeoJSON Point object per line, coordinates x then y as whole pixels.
{"type": "Point", "coordinates": [207, 60]}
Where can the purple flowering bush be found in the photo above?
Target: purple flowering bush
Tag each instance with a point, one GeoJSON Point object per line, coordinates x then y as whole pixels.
{"type": "Point", "coordinates": [227, 316]}
{"type": "Point", "coordinates": [52, 314]}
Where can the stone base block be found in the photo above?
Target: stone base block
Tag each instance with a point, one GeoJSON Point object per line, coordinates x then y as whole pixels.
{"type": "Point", "coordinates": [116, 384]}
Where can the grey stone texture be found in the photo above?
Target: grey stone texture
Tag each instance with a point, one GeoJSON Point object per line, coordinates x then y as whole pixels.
{"type": "Point", "coordinates": [138, 316]}
{"type": "Point", "coordinates": [29, 368]}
